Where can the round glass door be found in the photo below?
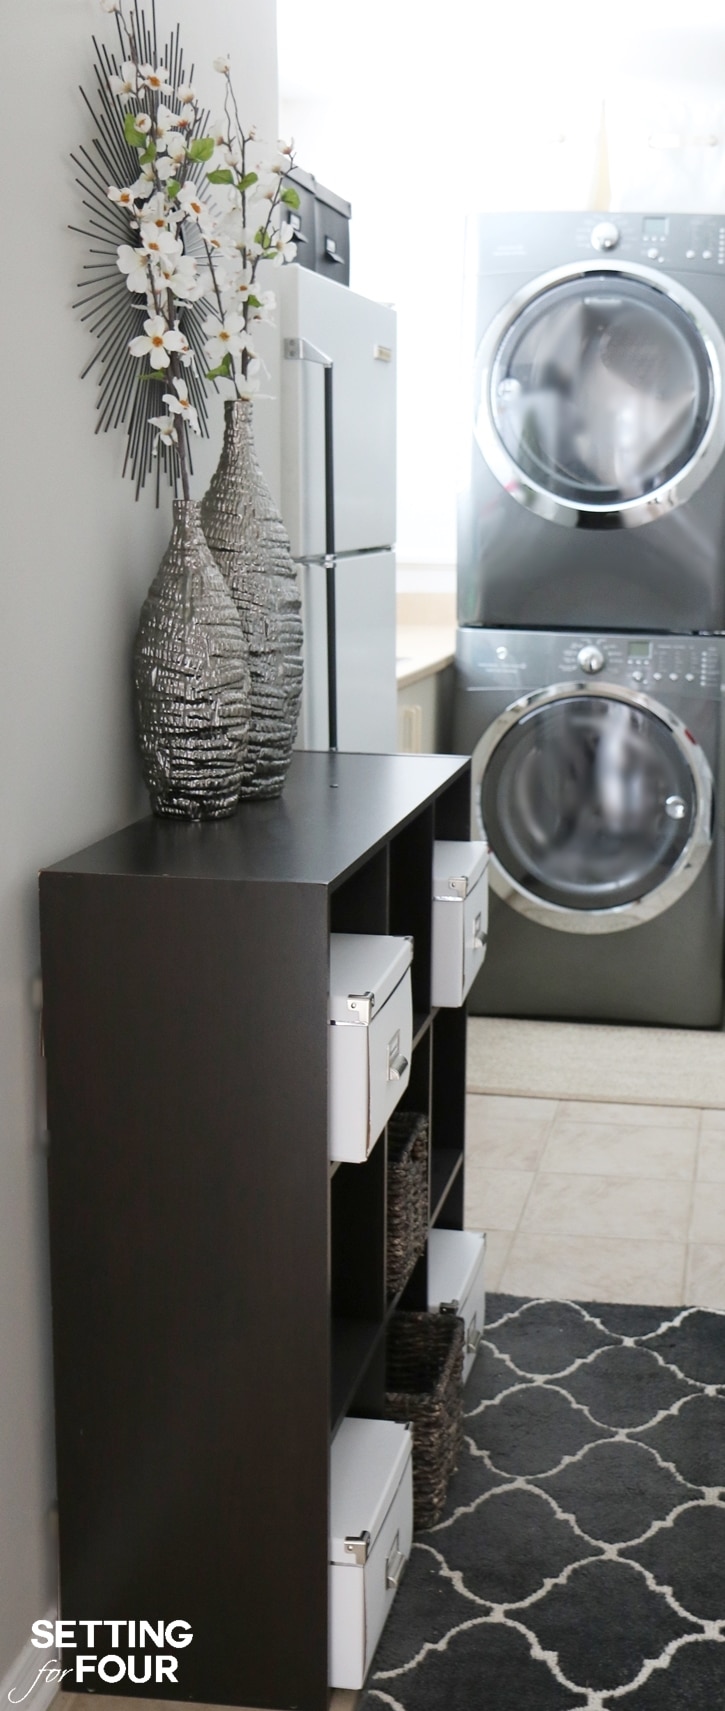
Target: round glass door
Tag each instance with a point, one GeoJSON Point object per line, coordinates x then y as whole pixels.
{"type": "Point", "coordinates": [600, 390]}
{"type": "Point", "coordinates": [588, 802]}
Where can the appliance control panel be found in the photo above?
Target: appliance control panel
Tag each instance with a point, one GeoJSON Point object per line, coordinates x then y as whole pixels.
{"type": "Point", "coordinates": [684, 242]}
{"type": "Point", "coordinates": [521, 661]}
{"type": "Point", "coordinates": [680, 243]}
{"type": "Point", "coordinates": [653, 664]}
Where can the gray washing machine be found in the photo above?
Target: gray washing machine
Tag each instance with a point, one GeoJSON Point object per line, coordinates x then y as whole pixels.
{"type": "Point", "coordinates": [597, 780]}
{"type": "Point", "coordinates": [595, 491]}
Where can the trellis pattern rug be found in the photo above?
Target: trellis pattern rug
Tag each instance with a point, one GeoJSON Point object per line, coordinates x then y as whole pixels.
{"type": "Point", "coordinates": [580, 1561]}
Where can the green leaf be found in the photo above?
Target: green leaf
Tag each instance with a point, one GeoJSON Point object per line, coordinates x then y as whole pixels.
{"type": "Point", "coordinates": [172, 189]}
{"type": "Point", "coordinates": [156, 374]}
{"type": "Point", "coordinates": [149, 153]}
{"type": "Point", "coordinates": [137, 139]}
{"type": "Point", "coordinates": [202, 148]}
{"type": "Point", "coordinates": [247, 181]}
{"type": "Point", "coordinates": [265, 240]}
{"type": "Point", "coordinates": [290, 197]}
{"type": "Point", "coordinates": [224, 371]}
{"type": "Point", "coordinates": [254, 302]}
{"type": "Point", "coordinates": [223, 176]}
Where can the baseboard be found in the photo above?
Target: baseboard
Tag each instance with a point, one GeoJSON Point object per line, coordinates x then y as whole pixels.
{"type": "Point", "coordinates": [20, 1679]}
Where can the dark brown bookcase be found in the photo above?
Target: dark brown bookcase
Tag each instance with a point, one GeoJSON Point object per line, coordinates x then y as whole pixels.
{"type": "Point", "coordinates": [218, 1287]}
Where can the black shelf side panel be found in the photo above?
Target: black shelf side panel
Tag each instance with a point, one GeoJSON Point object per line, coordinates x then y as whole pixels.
{"type": "Point", "coordinates": [188, 1197]}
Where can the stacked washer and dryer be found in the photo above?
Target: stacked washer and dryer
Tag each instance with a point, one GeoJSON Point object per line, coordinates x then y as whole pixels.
{"type": "Point", "coordinates": [591, 613]}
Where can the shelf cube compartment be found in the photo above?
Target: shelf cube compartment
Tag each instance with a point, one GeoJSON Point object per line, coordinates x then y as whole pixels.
{"type": "Point", "coordinates": [407, 1197]}
{"type": "Point", "coordinates": [423, 1385]}
{"type": "Point", "coordinates": [371, 1038]}
{"type": "Point", "coordinates": [460, 919]}
{"type": "Point", "coordinates": [456, 1284]}
{"type": "Point", "coordinates": [371, 1532]}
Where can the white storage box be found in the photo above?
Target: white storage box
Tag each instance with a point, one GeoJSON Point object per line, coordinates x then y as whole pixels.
{"type": "Point", "coordinates": [456, 1283]}
{"type": "Point", "coordinates": [460, 919]}
{"type": "Point", "coordinates": [371, 1037]}
{"type": "Point", "coordinates": [371, 1531]}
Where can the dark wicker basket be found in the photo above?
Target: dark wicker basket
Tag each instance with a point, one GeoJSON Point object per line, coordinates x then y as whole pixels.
{"type": "Point", "coordinates": [424, 1385]}
{"type": "Point", "coordinates": [407, 1195]}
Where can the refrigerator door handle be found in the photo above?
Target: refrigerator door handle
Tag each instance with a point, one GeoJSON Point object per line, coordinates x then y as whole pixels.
{"type": "Point", "coordinates": [301, 350]}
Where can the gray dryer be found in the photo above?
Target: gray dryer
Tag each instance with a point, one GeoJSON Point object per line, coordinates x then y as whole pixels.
{"type": "Point", "coordinates": [595, 485]}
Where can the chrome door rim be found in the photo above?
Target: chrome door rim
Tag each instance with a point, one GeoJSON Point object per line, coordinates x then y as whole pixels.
{"type": "Point", "coordinates": [630, 512]}
{"type": "Point", "coordinates": [623, 915]}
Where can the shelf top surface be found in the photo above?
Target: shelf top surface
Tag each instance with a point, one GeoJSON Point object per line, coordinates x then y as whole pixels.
{"type": "Point", "coordinates": [335, 809]}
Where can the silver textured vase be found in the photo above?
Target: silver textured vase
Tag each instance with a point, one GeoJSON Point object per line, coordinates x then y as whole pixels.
{"type": "Point", "coordinates": [247, 537]}
{"type": "Point", "coordinates": [191, 680]}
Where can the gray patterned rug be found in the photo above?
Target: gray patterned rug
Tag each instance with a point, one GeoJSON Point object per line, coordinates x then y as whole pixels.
{"type": "Point", "coordinates": [580, 1561]}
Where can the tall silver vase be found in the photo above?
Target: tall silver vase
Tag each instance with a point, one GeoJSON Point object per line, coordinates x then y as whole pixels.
{"type": "Point", "coordinates": [246, 535]}
{"type": "Point", "coordinates": [191, 680]}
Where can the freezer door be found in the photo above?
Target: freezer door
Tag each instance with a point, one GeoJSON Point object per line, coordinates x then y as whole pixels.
{"type": "Point", "coordinates": [359, 336]}
{"type": "Point", "coordinates": [365, 627]}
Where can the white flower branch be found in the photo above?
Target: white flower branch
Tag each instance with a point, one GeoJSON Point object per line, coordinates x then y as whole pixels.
{"type": "Point", "coordinates": [238, 232]}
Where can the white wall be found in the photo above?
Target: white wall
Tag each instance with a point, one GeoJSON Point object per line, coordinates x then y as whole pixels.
{"type": "Point", "coordinates": [419, 116]}
{"type": "Point", "coordinates": [78, 555]}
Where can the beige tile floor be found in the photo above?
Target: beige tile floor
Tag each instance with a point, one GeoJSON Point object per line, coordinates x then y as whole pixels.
{"type": "Point", "coordinates": [599, 1201]}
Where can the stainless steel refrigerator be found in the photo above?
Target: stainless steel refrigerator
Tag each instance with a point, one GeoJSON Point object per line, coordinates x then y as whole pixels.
{"type": "Point", "coordinates": [338, 394]}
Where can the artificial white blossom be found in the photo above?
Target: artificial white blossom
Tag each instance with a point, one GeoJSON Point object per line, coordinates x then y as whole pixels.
{"type": "Point", "coordinates": [157, 341]}
{"type": "Point", "coordinates": [176, 146]}
{"type": "Point", "coordinates": [135, 264]}
{"type": "Point", "coordinates": [190, 200]}
{"type": "Point", "coordinates": [110, 6]}
{"type": "Point", "coordinates": [234, 274]}
{"type": "Point", "coordinates": [227, 155]}
{"type": "Point", "coordinates": [143, 123]}
{"type": "Point", "coordinates": [156, 78]}
{"type": "Point", "coordinates": [226, 337]}
{"type": "Point", "coordinates": [127, 83]}
{"type": "Point", "coordinates": [263, 308]}
{"type": "Point", "coordinates": [184, 278]}
{"type": "Point", "coordinates": [165, 168]}
{"type": "Point", "coordinates": [283, 245]}
{"type": "Point", "coordinates": [166, 431]}
{"type": "Point", "coordinates": [164, 121]}
{"type": "Point", "coordinates": [125, 198]}
{"type": "Point", "coordinates": [185, 94]}
{"type": "Point", "coordinates": [145, 184]}
{"type": "Point", "coordinates": [222, 64]}
{"type": "Point", "coordinates": [156, 242]}
{"type": "Point", "coordinates": [181, 405]}
{"type": "Point", "coordinates": [267, 188]}
{"type": "Point", "coordinates": [235, 240]}
{"type": "Point", "coordinates": [246, 384]}
{"type": "Point", "coordinates": [278, 163]}
{"type": "Point", "coordinates": [159, 212]}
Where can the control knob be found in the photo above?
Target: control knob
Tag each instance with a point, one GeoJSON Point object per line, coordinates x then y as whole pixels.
{"type": "Point", "coordinates": [591, 660]}
{"type": "Point", "coordinates": [606, 235]}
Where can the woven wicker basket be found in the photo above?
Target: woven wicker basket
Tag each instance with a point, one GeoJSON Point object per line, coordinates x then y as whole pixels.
{"type": "Point", "coordinates": [424, 1385]}
{"type": "Point", "coordinates": [407, 1195]}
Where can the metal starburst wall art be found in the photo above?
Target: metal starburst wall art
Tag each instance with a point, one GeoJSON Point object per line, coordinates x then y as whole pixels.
{"type": "Point", "coordinates": [170, 288]}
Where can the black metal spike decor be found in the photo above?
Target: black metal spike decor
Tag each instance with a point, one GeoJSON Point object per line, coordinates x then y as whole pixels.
{"type": "Point", "coordinates": [126, 396]}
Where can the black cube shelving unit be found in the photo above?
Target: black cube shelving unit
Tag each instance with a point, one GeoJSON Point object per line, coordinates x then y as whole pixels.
{"type": "Point", "coordinates": [219, 1289]}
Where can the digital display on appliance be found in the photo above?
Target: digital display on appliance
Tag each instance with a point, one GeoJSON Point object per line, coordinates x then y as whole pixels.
{"type": "Point", "coordinates": [638, 650]}
{"type": "Point", "coordinates": [655, 226]}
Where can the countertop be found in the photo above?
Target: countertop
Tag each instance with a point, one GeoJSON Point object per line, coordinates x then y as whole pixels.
{"type": "Point", "coordinates": [422, 649]}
